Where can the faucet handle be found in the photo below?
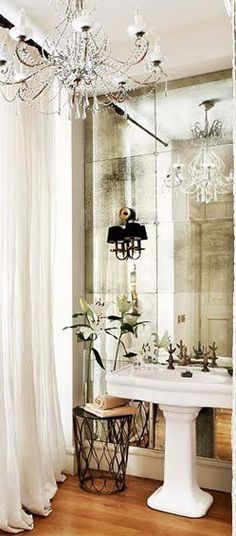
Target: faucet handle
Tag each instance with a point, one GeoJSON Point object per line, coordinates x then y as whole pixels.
{"type": "Point", "coordinates": [171, 351]}
{"type": "Point", "coordinates": [185, 360]}
{"type": "Point", "coordinates": [213, 357]}
{"type": "Point", "coordinates": [181, 348]}
{"type": "Point", "coordinates": [199, 350]}
{"type": "Point", "coordinates": [205, 359]}
{"type": "Point", "coordinates": [186, 356]}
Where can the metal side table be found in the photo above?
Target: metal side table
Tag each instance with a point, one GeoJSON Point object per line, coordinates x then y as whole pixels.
{"type": "Point", "coordinates": [102, 445]}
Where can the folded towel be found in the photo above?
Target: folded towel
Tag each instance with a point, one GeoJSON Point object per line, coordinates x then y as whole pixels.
{"type": "Point", "coordinates": [109, 402]}
{"type": "Point", "coordinates": [113, 412]}
{"type": "Point", "coordinates": [224, 362]}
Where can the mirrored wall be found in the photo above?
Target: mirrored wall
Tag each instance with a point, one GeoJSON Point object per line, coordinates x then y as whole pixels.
{"type": "Point", "coordinates": [184, 278]}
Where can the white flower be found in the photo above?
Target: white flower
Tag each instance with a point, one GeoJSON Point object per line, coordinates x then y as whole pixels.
{"type": "Point", "coordinates": [161, 342]}
{"type": "Point", "coordinates": [99, 308]}
{"type": "Point", "coordinates": [97, 324]}
{"type": "Point", "coordinates": [131, 319]}
{"type": "Point", "coordinates": [85, 333]}
{"type": "Point", "coordinates": [124, 305]}
{"type": "Point", "coordinates": [143, 345]}
{"type": "Point", "coordinates": [85, 307]}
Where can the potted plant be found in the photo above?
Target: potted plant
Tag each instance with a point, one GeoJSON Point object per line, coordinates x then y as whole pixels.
{"type": "Point", "coordinates": [96, 322]}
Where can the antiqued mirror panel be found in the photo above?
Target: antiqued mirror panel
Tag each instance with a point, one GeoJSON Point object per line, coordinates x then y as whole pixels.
{"type": "Point", "coordinates": [184, 278]}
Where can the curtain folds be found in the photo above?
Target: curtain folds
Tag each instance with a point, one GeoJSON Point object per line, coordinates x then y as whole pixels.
{"type": "Point", "coordinates": [32, 444]}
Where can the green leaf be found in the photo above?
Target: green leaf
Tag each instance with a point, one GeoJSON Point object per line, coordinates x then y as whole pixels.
{"type": "Point", "coordinates": [111, 334]}
{"type": "Point", "coordinates": [98, 358]}
{"type": "Point", "coordinates": [127, 328]}
{"type": "Point", "coordinates": [143, 322]}
{"type": "Point", "coordinates": [114, 317]}
{"type": "Point", "coordinates": [75, 326]}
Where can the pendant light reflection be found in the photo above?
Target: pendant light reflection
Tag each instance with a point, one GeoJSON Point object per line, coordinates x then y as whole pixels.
{"type": "Point", "coordinates": [127, 237]}
{"type": "Point", "coordinates": [205, 177]}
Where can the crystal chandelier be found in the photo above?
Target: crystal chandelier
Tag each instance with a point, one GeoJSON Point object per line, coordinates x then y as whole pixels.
{"type": "Point", "coordinates": [205, 178]}
{"type": "Point", "coordinates": [75, 67]}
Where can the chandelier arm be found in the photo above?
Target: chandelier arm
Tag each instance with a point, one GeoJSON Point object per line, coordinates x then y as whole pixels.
{"type": "Point", "coordinates": [109, 94]}
{"type": "Point", "coordinates": [145, 82]}
{"type": "Point", "coordinates": [51, 35]}
{"type": "Point", "coordinates": [215, 128]}
{"type": "Point", "coordinates": [26, 79]}
{"type": "Point", "coordinates": [48, 101]}
{"type": "Point", "coordinates": [99, 49]}
{"type": "Point", "coordinates": [37, 94]}
{"type": "Point", "coordinates": [129, 63]}
{"type": "Point", "coordinates": [23, 61]}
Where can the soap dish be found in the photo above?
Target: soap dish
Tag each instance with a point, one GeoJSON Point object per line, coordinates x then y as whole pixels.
{"type": "Point", "coordinates": [187, 374]}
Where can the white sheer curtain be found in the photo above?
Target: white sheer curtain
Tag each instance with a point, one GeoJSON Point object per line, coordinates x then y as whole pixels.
{"type": "Point", "coordinates": [32, 445]}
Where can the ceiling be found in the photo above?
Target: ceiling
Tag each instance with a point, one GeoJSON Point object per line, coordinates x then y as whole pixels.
{"type": "Point", "coordinates": [195, 34]}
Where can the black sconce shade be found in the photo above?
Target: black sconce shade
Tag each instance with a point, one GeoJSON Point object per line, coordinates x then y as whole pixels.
{"type": "Point", "coordinates": [135, 231]}
{"type": "Point", "coordinates": [115, 234]}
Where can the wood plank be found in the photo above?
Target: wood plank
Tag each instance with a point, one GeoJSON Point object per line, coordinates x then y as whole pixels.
{"type": "Point", "coordinates": [76, 512]}
{"type": "Point", "coordinates": [223, 448]}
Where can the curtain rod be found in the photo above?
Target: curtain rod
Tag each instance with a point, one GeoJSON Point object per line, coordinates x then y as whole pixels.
{"type": "Point", "coordinates": [121, 112]}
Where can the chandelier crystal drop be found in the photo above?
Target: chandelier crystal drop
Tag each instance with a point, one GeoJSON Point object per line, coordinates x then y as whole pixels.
{"type": "Point", "coordinates": [205, 178]}
{"type": "Point", "coordinates": [76, 66]}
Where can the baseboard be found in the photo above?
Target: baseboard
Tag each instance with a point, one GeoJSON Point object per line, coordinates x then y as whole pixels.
{"type": "Point", "coordinates": [70, 463]}
{"type": "Point", "coordinates": [212, 474]}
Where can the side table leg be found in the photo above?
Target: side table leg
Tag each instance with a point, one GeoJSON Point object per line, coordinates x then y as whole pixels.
{"type": "Point", "coordinates": [180, 493]}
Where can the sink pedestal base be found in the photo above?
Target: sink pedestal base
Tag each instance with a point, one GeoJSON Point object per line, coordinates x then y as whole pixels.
{"type": "Point", "coordinates": [180, 493]}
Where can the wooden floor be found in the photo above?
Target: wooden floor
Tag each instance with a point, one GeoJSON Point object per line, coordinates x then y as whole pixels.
{"type": "Point", "coordinates": [126, 514]}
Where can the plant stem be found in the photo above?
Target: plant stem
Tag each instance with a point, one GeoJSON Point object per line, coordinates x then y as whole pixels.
{"type": "Point", "coordinates": [118, 343]}
{"type": "Point", "coordinates": [89, 362]}
{"type": "Point", "coordinates": [117, 351]}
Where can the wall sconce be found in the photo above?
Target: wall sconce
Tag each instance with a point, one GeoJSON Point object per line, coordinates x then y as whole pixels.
{"type": "Point", "coordinates": [127, 238]}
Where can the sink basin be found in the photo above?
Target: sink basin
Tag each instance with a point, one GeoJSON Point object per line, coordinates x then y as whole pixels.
{"type": "Point", "coordinates": [156, 383]}
{"type": "Point", "coordinates": [180, 399]}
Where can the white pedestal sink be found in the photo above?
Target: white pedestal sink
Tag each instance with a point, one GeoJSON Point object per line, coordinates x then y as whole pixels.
{"type": "Point", "coordinates": [180, 399]}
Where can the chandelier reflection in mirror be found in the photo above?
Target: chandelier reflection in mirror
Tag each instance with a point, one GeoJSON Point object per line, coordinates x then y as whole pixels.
{"type": "Point", "coordinates": [205, 178]}
{"type": "Point", "coordinates": [76, 63]}
{"type": "Point", "coordinates": [127, 238]}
